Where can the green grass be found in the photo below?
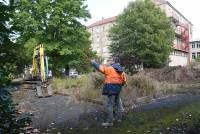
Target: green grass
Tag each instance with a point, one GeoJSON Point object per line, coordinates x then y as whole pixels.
{"type": "Point", "coordinates": [177, 120]}
{"type": "Point", "coordinates": [68, 83]}
{"type": "Point", "coordinates": [87, 87]}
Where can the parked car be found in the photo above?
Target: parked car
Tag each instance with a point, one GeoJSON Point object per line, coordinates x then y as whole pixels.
{"type": "Point", "coordinates": [73, 73]}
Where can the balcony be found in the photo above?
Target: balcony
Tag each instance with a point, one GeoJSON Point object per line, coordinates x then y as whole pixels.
{"type": "Point", "coordinates": [174, 19]}
{"type": "Point", "coordinates": [182, 47]}
{"type": "Point", "coordinates": [178, 31]}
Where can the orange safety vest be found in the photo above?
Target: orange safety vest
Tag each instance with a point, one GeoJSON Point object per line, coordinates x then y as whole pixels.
{"type": "Point", "coordinates": [111, 76]}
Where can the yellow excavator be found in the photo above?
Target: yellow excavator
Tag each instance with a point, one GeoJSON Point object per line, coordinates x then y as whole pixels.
{"type": "Point", "coordinates": [39, 73]}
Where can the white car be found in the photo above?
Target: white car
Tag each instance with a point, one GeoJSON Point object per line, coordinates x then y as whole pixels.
{"type": "Point", "coordinates": [73, 74]}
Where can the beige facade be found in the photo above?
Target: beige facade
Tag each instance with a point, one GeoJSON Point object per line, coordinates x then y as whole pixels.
{"type": "Point", "coordinates": [183, 28]}
{"type": "Point", "coordinates": [99, 37]}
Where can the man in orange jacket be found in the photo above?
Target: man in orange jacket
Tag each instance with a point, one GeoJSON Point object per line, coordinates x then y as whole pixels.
{"type": "Point", "coordinates": [113, 83]}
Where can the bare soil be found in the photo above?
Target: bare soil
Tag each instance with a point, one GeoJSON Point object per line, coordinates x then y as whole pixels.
{"type": "Point", "coordinates": [55, 112]}
{"type": "Point", "coordinates": [63, 114]}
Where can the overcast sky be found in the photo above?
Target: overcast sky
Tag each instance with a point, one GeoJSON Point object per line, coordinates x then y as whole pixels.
{"type": "Point", "coordinates": [109, 8]}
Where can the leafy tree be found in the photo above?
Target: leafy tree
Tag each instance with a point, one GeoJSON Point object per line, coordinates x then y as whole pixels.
{"type": "Point", "coordinates": [7, 48]}
{"type": "Point", "coordinates": [56, 24]}
{"type": "Point", "coordinates": [9, 118]}
{"type": "Point", "coordinates": [143, 35]}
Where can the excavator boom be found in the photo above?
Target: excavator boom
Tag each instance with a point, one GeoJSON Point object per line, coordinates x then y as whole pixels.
{"type": "Point", "coordinates": [39, 72]}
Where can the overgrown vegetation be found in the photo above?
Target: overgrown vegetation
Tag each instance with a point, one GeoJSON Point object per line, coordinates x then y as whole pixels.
{"type": "Point", "coordinates": [140, 88]}
{"type": "Point", "coordinates": [10, 60]}
{"type": "Point", "coordinates": [142, 35]}
{"type": "Point", "coordinates": [174, 74]}
{"type": "Point", "coordinates": [10, 120]}
{"type": "Point", "coordinates": [9, 55]}
{"type": "Point", "coordinates": [86, 87]}
{"type": "Point", "coordinates": [90, 86]}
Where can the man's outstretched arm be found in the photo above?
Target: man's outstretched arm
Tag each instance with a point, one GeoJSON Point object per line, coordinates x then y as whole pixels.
{"type": "Point", "coordinates": [97, 66]}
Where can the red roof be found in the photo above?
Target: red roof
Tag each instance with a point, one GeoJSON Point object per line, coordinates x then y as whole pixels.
{"type": "Point", "coordinates": [103, 21]}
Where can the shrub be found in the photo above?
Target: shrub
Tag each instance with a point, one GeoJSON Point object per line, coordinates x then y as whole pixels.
{"type": "Point", "coordinates": [86, 87]}
{"type": "Point", "coordinates": [92, 90]}
{"type": "Point", "coordinates": [143, 85]}
{"type": "Point", "coordinates": [10, 120]}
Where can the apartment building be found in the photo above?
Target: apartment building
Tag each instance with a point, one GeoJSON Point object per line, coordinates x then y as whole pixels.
{"type": "Point", "coordinates": [194, 50]}
{"type": "Point", "coordinates": [183, 29]}
{"type": "Point", "coordinates": [99, 36]}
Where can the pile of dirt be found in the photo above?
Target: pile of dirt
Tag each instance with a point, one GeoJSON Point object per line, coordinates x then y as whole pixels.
{"type": "Point", "coordinates": [174, 74]}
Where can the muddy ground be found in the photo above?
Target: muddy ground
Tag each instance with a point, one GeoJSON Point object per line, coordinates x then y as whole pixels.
{"type": "Point", "coordinates": [63, 113]}
{"type": "Point", "coordinates": [55, 112]}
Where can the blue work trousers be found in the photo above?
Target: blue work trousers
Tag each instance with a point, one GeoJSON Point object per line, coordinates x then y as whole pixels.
{"type": "Point", "coordinates": [114, 108]}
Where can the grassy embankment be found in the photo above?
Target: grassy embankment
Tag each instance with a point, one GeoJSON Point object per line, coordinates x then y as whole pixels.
{"type": "Point", "coordinates": [147, 85]}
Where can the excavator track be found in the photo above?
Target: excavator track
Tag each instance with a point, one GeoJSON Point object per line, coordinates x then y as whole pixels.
{"type": "Point", "coordinates": [43, 89]}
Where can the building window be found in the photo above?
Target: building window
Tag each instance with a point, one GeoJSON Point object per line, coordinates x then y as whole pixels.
{"type": "Point", "coordinates": [198, 45]}
{"type": "Point", "coordinates": [98, 30]}
{"type": "Point", "coordinates": [97, 40]}
{"type": "Point", "coordinates": [98, 50]}
{"type": "Point", "coordinates": [186, 54]}
{"type": "Point", "coordinates": [178, 41]}
{"type": "Point", "coordinates": [198, 54]}
{"type": "Point", "coordinates": [193, 56]}
{"type": "Point", "coordinates": [193, 45]}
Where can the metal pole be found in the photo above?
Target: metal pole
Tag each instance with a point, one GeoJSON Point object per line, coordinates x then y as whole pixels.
{"type": "Point", "coordinates": [47, 68]}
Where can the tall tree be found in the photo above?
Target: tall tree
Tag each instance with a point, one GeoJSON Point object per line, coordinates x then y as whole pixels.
{"type": "Point", "coordinates": [7, 48]}
{"type": "Point", "coordinates": [10, 123]}
{"type": "Point", "coordinates": [143, 35]}
{"type": "Point", "coordinates": [56, 24]}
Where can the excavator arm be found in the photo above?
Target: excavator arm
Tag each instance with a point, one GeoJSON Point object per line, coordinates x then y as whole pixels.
{"type": "Point", "coordinates": [39, 72]}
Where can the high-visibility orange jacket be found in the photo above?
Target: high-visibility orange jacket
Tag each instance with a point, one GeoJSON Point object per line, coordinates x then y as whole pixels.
{"type": "Point", "coordinates": [111, 75]}
{"type": "Point", "coordinates": [114, 78]}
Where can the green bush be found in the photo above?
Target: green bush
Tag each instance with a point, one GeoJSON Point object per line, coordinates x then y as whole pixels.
{"type": "Point", "coordinates": [10, 120]}
{"type": "Point", "coordinates": [87, 86]}
{"type": "Point", "coordinates": [6, 73]}
{"type": "Point", "coordinates": [93, 88]}
{"type": "Point", "coordinates": [143, 85]}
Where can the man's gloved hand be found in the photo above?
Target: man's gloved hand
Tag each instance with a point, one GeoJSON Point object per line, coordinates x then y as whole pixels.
{"type": "Point", "coordinates": [93, 61]}
{"type": "Point", "coordinates": [95, 64]}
